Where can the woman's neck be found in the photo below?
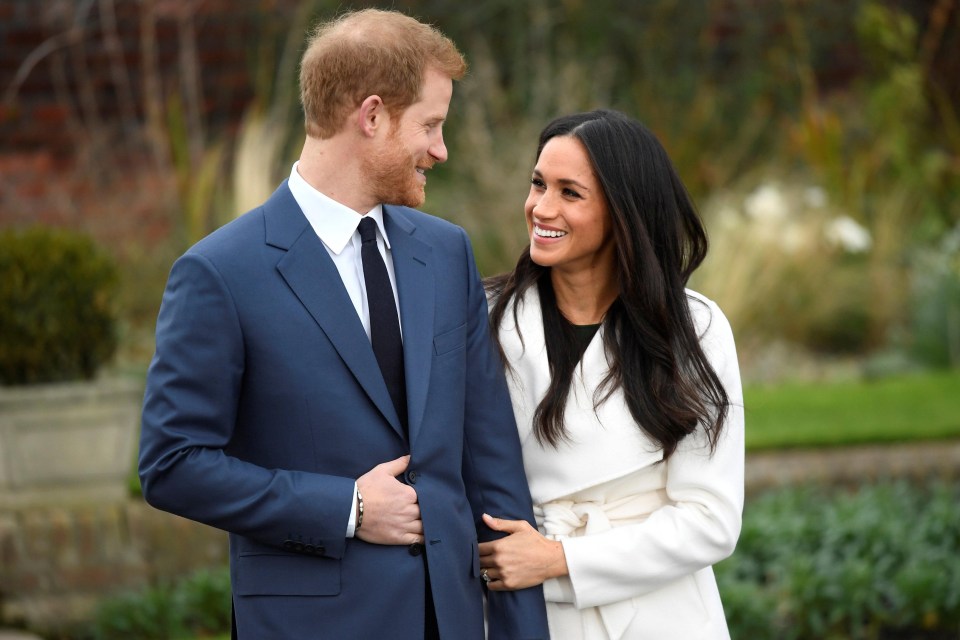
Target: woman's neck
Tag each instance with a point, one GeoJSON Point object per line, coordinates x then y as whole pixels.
{"type": "Point", "coordinates": [585, 296]}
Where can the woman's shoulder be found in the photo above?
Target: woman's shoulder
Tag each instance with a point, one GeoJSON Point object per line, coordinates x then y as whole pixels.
{"type": "Point", "coordinates": [493, 286]}
{"type": "Point", "coordinates": [707, 316]}
{"type": "Point", "coordinates": [700, 298]}
{"type": "Point", "coordinates": [700, 304]}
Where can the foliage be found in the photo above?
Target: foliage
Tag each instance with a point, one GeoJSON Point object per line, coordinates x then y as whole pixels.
{"type": "Point", "coordinates": [897, 409]}
{"type": "Point", "coordinates": [57, 315]}
{"type": "Point", "coordinates": [659, 61]}
{"type": "Point", "coordinates": [204, 599]}
{"type": "Point", "coordinates": [197, 606]}
{"type": "Point", "coordinates": [149, 615]}
{"type": "Point", "coordinates": [838, 97]}
{"type": "Point", "coordinates": [880, 163]}
{"type": "Point", "coordinates": [772, 250]}
{"type": "Point", "coordinates": [935, 308]}
{"type": "Point", "coordinates": [815, 563]}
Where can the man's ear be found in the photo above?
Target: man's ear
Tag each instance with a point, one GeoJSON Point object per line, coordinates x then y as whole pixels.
{"type": "Point", "coordinates": [371, 115]}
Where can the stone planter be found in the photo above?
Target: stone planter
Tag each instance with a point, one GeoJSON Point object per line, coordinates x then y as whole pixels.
{"type": "Point", "coordinates": [71, 443]}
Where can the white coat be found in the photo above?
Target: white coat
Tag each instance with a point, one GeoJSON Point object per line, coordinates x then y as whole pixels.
{"type": "Point", "coordinates": [639, 535]}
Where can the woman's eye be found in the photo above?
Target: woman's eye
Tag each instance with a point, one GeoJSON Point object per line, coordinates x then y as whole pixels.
{"type": "Point", "coordinates": [537, 182]}
{"type": "Point", "coordinates": [570, 193]}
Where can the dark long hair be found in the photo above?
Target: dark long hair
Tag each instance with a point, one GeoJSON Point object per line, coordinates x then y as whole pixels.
{"type": "Point", "coordinates": [649, 335]}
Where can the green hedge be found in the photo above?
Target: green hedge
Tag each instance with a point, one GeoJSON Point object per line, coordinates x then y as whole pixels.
{"type": "Point", "coordinates": [199, 606]}
{"type": "Point", "coordinates": [882, 561]}
{"type": "Point", "coordinates": [57, 315]}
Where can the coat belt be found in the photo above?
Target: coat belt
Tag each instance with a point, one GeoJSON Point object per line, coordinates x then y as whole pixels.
{"type": "Point", "coordinates": [565, 519]}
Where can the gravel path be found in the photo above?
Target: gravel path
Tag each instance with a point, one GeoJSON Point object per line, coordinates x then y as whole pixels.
{"type": "Point", "coordinates": [852, 464]}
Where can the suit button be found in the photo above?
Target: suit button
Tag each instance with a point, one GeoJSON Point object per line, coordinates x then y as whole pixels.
{"type": "Point", "coordinates": [298, 547]}
{"type": "Point", "coordinates": [411, 476]}
{"type": "Point", "coordinates": [309, 548]}
{"type": "Point", "coordinates": [415, 549]}
{"type": "Point", "coordinates": [288, 545]}
{"type": "Point", "coordinates": [320, 550]}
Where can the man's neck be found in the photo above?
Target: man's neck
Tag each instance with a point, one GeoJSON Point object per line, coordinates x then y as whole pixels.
{"type": "Point", "coordinates": [332, 167]}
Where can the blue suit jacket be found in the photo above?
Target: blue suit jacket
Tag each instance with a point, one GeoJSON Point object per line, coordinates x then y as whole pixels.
{"type": "Point", "coordinates": [264, 403]}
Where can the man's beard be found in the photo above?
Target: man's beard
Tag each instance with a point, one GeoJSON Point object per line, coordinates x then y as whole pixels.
{"type": "Point", "coordinates": [392, 176]}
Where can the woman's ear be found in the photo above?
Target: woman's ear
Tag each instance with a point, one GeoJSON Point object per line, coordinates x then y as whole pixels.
{"type": "Point", "coordinates": [371, 115]}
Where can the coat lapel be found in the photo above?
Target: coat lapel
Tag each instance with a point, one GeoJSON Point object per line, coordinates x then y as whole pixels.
{"type": "Point", "coordinates": [310, 273]}
{"type": "Point", "coordinates": [414, 270]}
{"type": "Point", "coordinates": [604, 441]}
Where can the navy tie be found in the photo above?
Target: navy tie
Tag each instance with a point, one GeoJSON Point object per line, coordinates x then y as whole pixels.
{"type": "Point", "coordinates": [384, 324]}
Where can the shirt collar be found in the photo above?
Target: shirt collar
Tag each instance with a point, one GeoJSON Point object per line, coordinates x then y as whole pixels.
{"type": "Point", "coordinates": [335, 223]}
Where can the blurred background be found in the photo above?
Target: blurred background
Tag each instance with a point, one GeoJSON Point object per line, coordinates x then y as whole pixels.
{"type": "Point", "coordinates": [820, 140]}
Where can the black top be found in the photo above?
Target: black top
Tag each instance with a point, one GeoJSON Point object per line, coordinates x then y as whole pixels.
{"type": "Point", "coordinates": [584, 334]}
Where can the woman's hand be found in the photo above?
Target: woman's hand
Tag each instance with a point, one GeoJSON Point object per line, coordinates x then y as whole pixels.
{"type": "Point", "coordinates": [522, 559]}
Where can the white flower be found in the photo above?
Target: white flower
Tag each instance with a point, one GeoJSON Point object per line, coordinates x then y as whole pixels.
{"type": "Point", "coordinates": [847, 233]}
{"type": "Point", "coordinates": [815, 197]}
{"type": "Point", "coordinates": [793, 238]}
{"type": "Point", "coordinates": [766, 203]}
{"type": "Point", "coordinates": [728, 217]}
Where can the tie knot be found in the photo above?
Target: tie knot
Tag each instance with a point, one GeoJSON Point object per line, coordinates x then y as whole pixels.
{"type": "Point", "coordinates": [368, 230]}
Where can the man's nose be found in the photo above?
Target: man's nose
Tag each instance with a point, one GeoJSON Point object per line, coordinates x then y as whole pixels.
{"type": "Point", "coordinates": [438, 150]}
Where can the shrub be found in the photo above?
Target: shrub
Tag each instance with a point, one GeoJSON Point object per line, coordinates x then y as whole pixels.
{"type": "Point", "coordinates": [57, 315]}
{"type": "Point", "coordinates": [199, 605]}
{"type": "Point", "coordinates": [867, 564]}
{"type": "Point", "coordinates": [150, 615]}
{"type": "Point", "coordinates": [204, 599]}
{"type": "Point", "coordinates": [935, 308]}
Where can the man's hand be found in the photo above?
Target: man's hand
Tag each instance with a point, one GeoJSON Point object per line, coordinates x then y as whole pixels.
{"type": "Point", "coordinates": [391, 514]}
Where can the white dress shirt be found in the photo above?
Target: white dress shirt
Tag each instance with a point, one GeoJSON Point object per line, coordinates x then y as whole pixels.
{"type": "Point", "coordinates": [336, 225]}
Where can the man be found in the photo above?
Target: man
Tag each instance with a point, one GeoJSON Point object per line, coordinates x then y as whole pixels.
{"type": "Point", "coordinates": [350, 477]}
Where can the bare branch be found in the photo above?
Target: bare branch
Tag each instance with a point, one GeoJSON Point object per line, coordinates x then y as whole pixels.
{"type": "Point", "coordinates": [118, 69]}
{"type": "Point", "coordinates": [59, 41]}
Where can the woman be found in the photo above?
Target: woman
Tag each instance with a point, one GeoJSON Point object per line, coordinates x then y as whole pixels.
{"type": "Point", "coordinates": [626, 391]}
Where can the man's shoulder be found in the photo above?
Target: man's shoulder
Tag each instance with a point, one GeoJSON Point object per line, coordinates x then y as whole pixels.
{"type": "Point", "coordinates": [251, 226]}
{"type": "Point", "coordinates": [423, 220]}
{"type": "Point", "coordinates": [231, 235]}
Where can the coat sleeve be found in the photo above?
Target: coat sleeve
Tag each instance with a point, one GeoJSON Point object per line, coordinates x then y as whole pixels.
{"type": "Point", "coordinates": [701, 524]}
{"type": "Point", "coordinates": [193, 392]}
{"type": "Point", "coordinates": [493, 465]}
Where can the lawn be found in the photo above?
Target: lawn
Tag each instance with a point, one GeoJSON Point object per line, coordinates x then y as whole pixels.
{"type": "Point", "coordinates": [900, 409]}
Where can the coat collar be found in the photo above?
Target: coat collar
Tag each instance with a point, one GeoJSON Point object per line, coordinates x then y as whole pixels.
{"type": "Point", "coordinates": [311, 274]}
{"type": "Point", "coordinates": [605, 443]}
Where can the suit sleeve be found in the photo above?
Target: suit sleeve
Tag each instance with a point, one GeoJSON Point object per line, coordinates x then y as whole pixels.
{"type": "Point", "coordinates": [493, 465]}
{"type": "Point", "coordinates": [701, 525]}
{"type": "Point", "coordinates": [193, 392]}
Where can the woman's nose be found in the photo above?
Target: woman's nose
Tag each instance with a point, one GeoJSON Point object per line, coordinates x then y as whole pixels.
{"type": "Point", "coordinates": [544, 207]}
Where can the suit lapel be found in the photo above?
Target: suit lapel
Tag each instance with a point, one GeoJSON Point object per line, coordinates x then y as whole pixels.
{"type": "Point", "coordinates": [310, 273]}
{"type": "Point", "coordinates": [414, 270]}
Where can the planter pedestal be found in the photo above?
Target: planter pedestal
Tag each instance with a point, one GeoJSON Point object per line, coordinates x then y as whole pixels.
{"type": "Point", "coordinates": [70, 443]}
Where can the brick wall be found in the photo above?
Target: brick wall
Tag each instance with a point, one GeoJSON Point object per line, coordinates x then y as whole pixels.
{"type": "Point", "coordinates": [57, 563]}
{"type": "Point", "coordinates": [95, 57]}
{"type": "Point", "coordinates": [76, 148]}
